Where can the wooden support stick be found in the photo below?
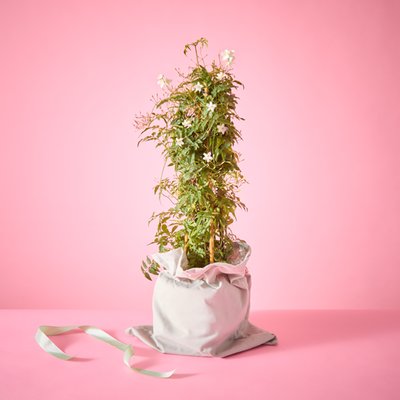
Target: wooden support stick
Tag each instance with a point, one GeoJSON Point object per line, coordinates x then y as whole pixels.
{"type": "Point", "coordinates": [186, 242]}
{"type": "Point", "coordinates": [212, 233]}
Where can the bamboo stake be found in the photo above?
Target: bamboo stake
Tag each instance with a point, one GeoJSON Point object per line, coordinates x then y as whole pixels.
{"type": "Point", "coordinates": [186, 242]}
{"type": "Point", "coordinates": [212, 233]}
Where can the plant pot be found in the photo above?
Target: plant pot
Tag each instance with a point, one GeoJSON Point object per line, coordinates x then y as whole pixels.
{"type": "Point", "coordinates": [202, 311]}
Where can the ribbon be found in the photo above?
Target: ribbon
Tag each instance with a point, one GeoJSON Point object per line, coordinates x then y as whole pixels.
{"type": "Point", "coordinates": [44, 331]}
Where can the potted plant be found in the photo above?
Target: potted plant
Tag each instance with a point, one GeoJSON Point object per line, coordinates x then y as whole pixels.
{"type": "Point", "coordinates": [201, 297]}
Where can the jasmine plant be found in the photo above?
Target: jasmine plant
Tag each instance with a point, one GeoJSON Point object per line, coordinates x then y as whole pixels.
{"type": "Point", "coordinates": [193, 124]}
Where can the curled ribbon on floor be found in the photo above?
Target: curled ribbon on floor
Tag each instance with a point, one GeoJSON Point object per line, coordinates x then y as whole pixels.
{"type": "Point", "coordinates": [43, 340]}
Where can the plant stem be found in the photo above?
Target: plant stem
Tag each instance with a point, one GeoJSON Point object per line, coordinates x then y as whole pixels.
{"type": "Point", "coordinates": [186, 242]}
{"type": "Point", "coordinates": [212, 233]}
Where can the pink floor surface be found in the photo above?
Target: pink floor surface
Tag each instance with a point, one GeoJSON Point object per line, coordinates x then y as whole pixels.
{"type": "Point", "coordinates": [321, 354]}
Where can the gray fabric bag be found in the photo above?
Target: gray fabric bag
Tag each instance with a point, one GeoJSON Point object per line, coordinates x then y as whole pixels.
{"type": "Point", "coordinates": [202, 311]}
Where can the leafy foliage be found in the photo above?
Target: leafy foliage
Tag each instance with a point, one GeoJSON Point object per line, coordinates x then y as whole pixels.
{"type": "Point", "coordinates": [193, 124]}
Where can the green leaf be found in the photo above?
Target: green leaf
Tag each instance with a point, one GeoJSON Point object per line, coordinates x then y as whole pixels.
{"type": "Point", "coordinates": [165, 229]}
{"type": "Point", "coordinates": [147, 276]}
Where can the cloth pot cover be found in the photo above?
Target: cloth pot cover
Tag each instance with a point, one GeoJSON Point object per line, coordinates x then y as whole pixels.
{"type": "Point", "coordinates": [202, 311]}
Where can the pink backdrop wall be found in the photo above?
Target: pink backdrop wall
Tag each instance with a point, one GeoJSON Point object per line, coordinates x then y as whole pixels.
{"type": "Point", "coordinates": [321, 147]}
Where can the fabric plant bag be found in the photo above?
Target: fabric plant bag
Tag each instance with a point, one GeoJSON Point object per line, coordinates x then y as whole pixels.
{"type": "Point", "coordinates": [202, 311]}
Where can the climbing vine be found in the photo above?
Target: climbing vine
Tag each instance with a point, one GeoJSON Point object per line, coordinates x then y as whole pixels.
{"type": "Point", "coordinates": [193, 124]}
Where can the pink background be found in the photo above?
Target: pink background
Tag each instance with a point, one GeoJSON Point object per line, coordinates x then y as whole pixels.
{"type": "Point", "coordinates": [321, 147]}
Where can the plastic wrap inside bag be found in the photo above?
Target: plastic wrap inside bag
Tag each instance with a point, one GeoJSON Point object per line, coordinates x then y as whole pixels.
{"type": "Point", "coordinates": [202, 311]}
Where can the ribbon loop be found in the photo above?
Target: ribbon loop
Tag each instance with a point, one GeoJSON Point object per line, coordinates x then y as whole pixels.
{"type": "Point", "coordinates": [44, 331]}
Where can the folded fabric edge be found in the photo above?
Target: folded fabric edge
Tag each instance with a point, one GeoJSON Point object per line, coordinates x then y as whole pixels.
{"type": "Point", "coordinates": [255, 337]}
{"type": "Point", "coordinates": [143, 333]}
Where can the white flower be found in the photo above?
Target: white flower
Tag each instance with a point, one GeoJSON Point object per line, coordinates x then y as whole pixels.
{"type": "Point", "coordinates": [179, 141]}
{"type": "Point", "coordinates": [187, 123]}
{"type": "Point", "coordinates": [222, 128]}
{"type": "Point", "coordinates": [211, 106]}
{"type": "Point", "coordinates": [198, 87]}
{"type": "Point", "coordinates": [207, 156]}
{"type": "Point", "coordinates": [221, 75]}
{"type": "Point", "coordinates": [228, 56]}
{"type": "Point", "coordinates": [190, 112]}
{"type": "Point", "coordinates": [162, 80]}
